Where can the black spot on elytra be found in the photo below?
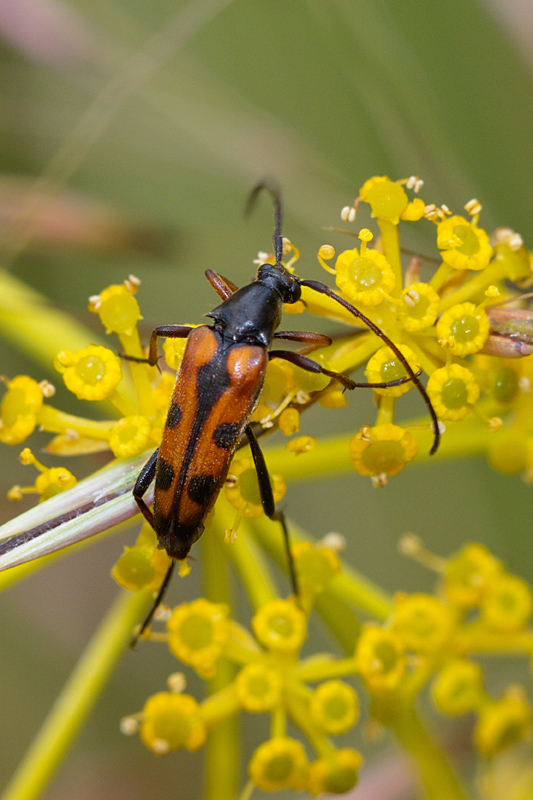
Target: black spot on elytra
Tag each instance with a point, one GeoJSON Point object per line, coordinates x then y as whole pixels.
{"type": "Point", "coordinates": [225, 435]}
{"type": "Point", "coordinates": [174, 415]}
{"type": "Point", "coordinates": [201, 488]}
{"type": "Point", "coordinates": [165, 474]}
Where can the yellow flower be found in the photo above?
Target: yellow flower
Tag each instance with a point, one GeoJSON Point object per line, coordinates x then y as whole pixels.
{"type": "Point", "coordinates": [469, 573]}
{"type": "Point", "coordinates": [462, 244]}
{"type": "Point", "coordinates": [280, 763]}
{"type": "Point", "coordinates": [507, 603]}
{"type": "Point", "coordinates": [258, 687]}
{"type": "Point", "coordinates": [20, 406]}
{"type": "Point", "coordinates": [423, 622]}
{"type": "Point", "coordinates": [129, 436]}
{"type": "Point", "coordinates": [335, 774]}
{"type": "Point", "coordinates": [382, 450]}
{"type": "Point", "coordinates": [419, 307]}
{"type": "Point", "coordinates": [380, 658]}
{"type": "Point", "coordinates": [458, 687]}
{"type": "Point", "coordinates": [198, 632]}
{"type": "Point", "coordinates": [502, 723]}
{"type": "Point", "coordinates": [387, 200]}
{"type": "Point", "coordinates": [334, 707]}
{"type": "Point", "coordinates": [92, 373]}
{"type": "Point", "coordinates": [280, 625]}
{"type": "Point", "coordinates": [242, 488]}
{"type": "Point", "coordinates": [117, 308]}
{"type": "Point", "coordinates": [171, 721]}
{"type": "Point", "coordinates": [315, 565]}
{"type": "Point", "coordinates": [452, 389]}
{"type": "Point", "coordinates": [364, 276]}
{"type": "Point", "coordinates": [464, 328]}
{"type": "Point", "coordinates": [385, 366]}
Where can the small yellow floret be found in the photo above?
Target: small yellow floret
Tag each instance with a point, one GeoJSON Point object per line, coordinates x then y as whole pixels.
{"type": "Point", "coordinates": [452, 389]}
{"type": "Point", "coordinates": [334, 774]}
{"type": "Point", "coordinates": [280, 625]}
{"type": "Point", "coordinates": [380, 658]}
{"type": "Point", "coordinates": [289, 421]}
{"type": "Point", "coordinates": [458, 687]}
{"type": "Point", "coordinates": [387, 200]}
{"type": "Point", "coordinates": [419, 307]}
{"type": "Point", "coordinates": [280, 763]}
{"type": "Point", "coordinates": [507, 604]}
{"type": "Point", "coordinates": [464, 328]}
{"type": "Point", "coordinates": [92, 373]}
{"type": "Point", "coordinates": [423, 622]}
{"type": "Point", "coordinates": [316, 565]}
{"type": "Point", "coordinates": [198, 632]}
{"type": "Point", "coordinates": [502, 723]}
{"type": "Point", "coordinates": [53, 481]}
{"type": "Point", "coordinates": [469, 573]}
{"type": "Point", "coordinates": [242, 488]}
{"type": "Point", "coordinates": [382, 450]}
{"type": "Point", "coordinates": [462, 244]}
{"type": "Point", "coordinates": [171, 721]}
{"type": "Point", "coordinates": [364, 276]}
{"type": "Point", "coordinates": [129, 436]}
{"type": "Point", "coordinates": [117, 308]}
{"type": "Point", "coordinates": [258, 687]}
{"type": "Point", "coordinates": [385, 366]}
{"type": "Point", "coordinates": [301, 444]}
{"type": "Point", "coordinates": [334, 707]}
{"type": "Point", "coordinates": [19, 409]}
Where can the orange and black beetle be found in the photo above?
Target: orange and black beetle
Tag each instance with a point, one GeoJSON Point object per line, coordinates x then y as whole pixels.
{"type": "Point", "coordinates": [217, 389]}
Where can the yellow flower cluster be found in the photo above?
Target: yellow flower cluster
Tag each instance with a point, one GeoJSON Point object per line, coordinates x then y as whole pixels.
{"type": "Point", "coordinates": [479, 610]}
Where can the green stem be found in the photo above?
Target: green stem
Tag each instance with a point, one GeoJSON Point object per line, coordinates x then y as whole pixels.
{"type": "Point", "coordinates": [78, 697]}
{"type": "Point", "coordinates": [438, 778]}
{"type": "Point", "coordinates": [223, 755]}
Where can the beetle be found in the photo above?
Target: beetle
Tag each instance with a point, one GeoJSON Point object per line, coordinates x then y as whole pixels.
{"type": "Point", "coordinates": [217, 388]}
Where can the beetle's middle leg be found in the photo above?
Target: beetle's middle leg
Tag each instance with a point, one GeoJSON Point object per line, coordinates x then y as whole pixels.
{"type": "Point", "coordinates": [163, 332]}
{"type": "Point", "coordinates": [267, 501]}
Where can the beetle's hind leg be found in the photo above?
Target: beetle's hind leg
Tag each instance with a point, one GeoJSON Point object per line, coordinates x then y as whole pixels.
{"type": "Point", "coordinates": [267, 501]}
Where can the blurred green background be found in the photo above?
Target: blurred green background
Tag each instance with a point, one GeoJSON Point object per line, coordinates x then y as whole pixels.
{"type": "Point", "coordinates": [319, 95]}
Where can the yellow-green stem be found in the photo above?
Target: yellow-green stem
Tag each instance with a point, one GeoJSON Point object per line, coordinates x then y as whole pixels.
{"type": "Point", "coordinates": [77, 697]}
{"type": "Point", "coordinates": [438, 778]}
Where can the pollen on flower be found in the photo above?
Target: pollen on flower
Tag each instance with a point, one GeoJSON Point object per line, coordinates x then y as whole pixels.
{"type": "Point", "coordinates": [92, 373]}
{"type": "Point", "coordinates": [382, 450]}
{"type": "Point", "coordinates": [279, 763]}
{"type": "Point", "coordinates": [385, 366]}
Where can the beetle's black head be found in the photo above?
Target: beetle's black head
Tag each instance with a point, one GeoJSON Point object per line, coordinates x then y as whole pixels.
{"type": "Point", "coordinates": [277, 277]}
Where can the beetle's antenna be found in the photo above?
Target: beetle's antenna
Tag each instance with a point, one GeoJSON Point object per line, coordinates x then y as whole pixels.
{"type": "Point", "coordinates": [273, 189]}
{"type": "Point", "coordinates": [161, 593]}
{"type": "Point", "coordinates": [323, 289]}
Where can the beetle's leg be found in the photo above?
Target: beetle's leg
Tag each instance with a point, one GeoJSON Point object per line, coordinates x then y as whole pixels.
{"type": "Point", "coordinates": [157, 602]}
{"type": "Point", "coordinates": [146, 476]}
{"type": "Point", "coordinates": [312, 339]}
{"type": "Point", "coordinates": [321, 288]}
{"type": "Point", "coordinates": [142, 483]}
{"type": "Point", "coordinates": [163, 332]}
{"type": "Point", "coordinates": [299, 360]}
{"type": "Point", "coordinates": [267, 501]}
{"type": "Point", "coordinates": [222, 286]}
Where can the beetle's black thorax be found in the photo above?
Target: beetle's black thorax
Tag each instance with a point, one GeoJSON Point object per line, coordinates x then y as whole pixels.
{"type": "Point", "coordinates": [251, 315]}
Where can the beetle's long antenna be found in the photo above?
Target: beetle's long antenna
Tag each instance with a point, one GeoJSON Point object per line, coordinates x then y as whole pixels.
{"type": "Point", "coordinates": [161, 593]}
{"type": "Point", "coordinates": [275, 192]}
{"type": "Point", "coordinates": [323, 289]}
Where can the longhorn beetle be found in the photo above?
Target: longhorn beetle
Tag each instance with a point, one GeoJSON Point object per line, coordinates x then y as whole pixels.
{"type": "Point", "coordinates": [217, 389]}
